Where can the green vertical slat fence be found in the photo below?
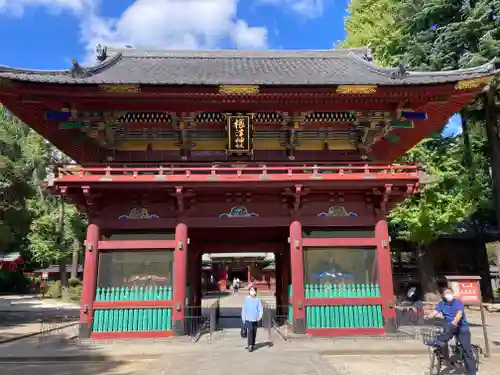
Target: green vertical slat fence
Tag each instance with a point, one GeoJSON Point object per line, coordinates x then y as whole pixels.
{"type": "Point", "coordinates": [290, 307]}
{"type": "Point", "coordinates": [153, 293]}
{"type": "Point", "coordinates": [130, 320]}
{"type": "Point", "coordinates": [344, 316]}
{"type": "Point", "coordinates": [134, 319]}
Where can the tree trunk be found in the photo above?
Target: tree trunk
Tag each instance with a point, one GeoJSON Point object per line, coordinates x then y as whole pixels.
{"type": "Point", "coordinates": [493, 134]}
{"type": "Point", "coordinates": [428, 282]}
{"type": "Point", "coordinates": [74, 260]}
{"type": "Point", "coordinates": [482, 262]}
{"type": "Point", "coordinates": [62, 261]}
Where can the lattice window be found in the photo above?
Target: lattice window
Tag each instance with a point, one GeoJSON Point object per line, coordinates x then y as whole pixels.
{"type": "Point", "coordinates": [210, 117]}
{"type": "Point", "coordinates": [146, 117]}
{"type": "Point", "coordinates": [268, 117]}
{"type": "Point", "coordinates": [330, 117]}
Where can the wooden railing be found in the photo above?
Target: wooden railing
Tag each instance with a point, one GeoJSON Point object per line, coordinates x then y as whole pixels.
{"type": "Point", "coordinates": [262, 172]}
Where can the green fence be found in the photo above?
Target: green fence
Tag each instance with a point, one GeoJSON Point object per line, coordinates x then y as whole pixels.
{"type": "Point", "coordinates": [290, 307]}
{"type": "Point", "coordinates": [130, 320]}
{"type": "Point", "coordinates": [152, 293]}
{"type": "Point", "coordinates": [341, 291]}
{"type": "Point", "coordinates": [365, 316]}
{"type": "Point", "coordinates": [343, 316]}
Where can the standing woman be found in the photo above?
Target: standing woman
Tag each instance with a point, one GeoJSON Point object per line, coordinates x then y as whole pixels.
{"type": "Point", "coordinates": [251, 314]}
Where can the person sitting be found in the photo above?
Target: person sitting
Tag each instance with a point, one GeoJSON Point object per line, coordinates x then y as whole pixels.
{"type": "Point", "coordinates": [456, 325]}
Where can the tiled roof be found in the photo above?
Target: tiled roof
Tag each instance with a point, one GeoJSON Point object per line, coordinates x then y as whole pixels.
{"type": "Point", "coordinates": [10, 257]}
{"type": "Point", "coordinates": [330, 67]}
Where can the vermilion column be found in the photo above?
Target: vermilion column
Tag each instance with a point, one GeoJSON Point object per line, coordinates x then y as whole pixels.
{"type": "Point", "coordinates": [385, 275]}
{"type": "Point", "coordinates": [180, 264]}
{"type": "Point", "coordinates": [89, 280]}
{"type": "Point", "coordinates": [297, 266]}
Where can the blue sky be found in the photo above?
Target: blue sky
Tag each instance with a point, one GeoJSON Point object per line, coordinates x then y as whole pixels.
{"type": "Point", "coordinates": [47, 34]}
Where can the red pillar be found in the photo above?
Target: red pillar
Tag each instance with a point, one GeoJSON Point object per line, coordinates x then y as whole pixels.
{"type": "Point", "coordinates": [89, 280]}
{"type": "Point", "coordinates": [297, 266]}
{"type": "Point", "coordinates": [180, 264]}
{"type": "Point", "coordinates": [385, 275]}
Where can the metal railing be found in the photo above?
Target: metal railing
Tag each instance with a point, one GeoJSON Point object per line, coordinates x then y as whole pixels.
{"type": "Point", "coordinates": [201, 320]}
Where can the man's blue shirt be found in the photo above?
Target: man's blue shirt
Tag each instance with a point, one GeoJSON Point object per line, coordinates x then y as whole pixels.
{"type": "Point", "coordinates": [450, 310]}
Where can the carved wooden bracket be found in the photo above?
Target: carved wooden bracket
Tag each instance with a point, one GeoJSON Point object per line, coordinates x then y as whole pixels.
{"type": "Point", "coordinates": [88, 197]}
{"type": "Point", "coordinates": [385, 198]}
{"type": "Point", "coordinates": [181, 194]}
{"type": "Point", "coordinates": [297, 196]}
{"type": "Point", "coordinates": [410, 190]}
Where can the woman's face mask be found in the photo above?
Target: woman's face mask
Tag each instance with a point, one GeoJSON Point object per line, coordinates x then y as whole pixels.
{"type": "Point", "coordinates": [253, 293]}
{"type": "Point", "coordinates": [448, 297]}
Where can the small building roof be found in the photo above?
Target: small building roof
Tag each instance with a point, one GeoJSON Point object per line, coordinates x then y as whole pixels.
{"type": "Point", "coordinates": [10, 257]}
{"type": "Point", "coordinates": [236, 67]}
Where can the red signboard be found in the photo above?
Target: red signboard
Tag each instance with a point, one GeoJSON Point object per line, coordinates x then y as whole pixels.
{"type": "Point", "coordinates": [469, 292]}
{"type": "Point", "coordinates": [466, 289]}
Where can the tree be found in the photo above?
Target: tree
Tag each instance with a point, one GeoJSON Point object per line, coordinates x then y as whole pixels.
{"type": "Point", "coordinates": [441, 35]}
{"type": "Point", "coordinates": [28, 213]}
{"type": "Point", "coordinates": [441, 205]}
{"type": "Point", "coordinates": [47, 245]}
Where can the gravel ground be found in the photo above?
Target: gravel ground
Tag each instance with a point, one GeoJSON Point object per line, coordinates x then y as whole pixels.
{"type": "Point", "coordinates": [399, 365]}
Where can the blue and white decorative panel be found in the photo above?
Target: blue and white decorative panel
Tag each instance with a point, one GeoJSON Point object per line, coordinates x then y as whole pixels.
{"type": "Point", "coordinates": [337, 211]}
{"type": "Point", "coordinates": [238, 211]}
{"type": "Point", "coordinates": [138, 214]}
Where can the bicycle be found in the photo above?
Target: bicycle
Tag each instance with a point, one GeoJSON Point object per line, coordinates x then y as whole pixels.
{"type": "Point", "coordinates": [456, 353]}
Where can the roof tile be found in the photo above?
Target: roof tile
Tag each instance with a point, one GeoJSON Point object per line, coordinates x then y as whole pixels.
{"type": "Point", "coordinates": [332, 67]}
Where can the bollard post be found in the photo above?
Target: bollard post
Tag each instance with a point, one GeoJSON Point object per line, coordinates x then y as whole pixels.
{"type": "Point", "coordinates": [485, 332]}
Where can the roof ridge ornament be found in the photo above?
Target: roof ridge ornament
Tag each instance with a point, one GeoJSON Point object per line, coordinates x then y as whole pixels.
{"type": "Point", "coordinates": [401, 71]}
{"type": "Point", "coordinates": [102, 53]}
{"type": "Point", "coordinates": [78, 71]}
{"type": "Point", "coordinates": [368, 54]}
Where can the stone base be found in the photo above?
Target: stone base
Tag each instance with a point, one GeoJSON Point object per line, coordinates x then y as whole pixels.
{"type": "Point", "coordinates": [299, 326]}
{"type": "Point", "coordinates": [178, 328]}
{"type": "Point", "coordinates": [84, 331]}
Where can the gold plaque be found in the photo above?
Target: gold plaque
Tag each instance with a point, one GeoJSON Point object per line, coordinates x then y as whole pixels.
{"type": "Point", "coordinates": [473, 83]}
{"type": "Point", "coordinates": [239, 89]}
{"type": "Point", "coordinates": [120, 89]}
{"type": "Point", "coordinates": [356, 89]}
{"type": "Point", "coordinates": [239, 134]}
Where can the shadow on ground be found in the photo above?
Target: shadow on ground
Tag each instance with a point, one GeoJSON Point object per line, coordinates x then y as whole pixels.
{"type": "Point", "coordinates": [56, 354]}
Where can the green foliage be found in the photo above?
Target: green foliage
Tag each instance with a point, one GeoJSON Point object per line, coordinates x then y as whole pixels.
{"type": "Point", "coordinates": [74, 293]}
{"type": "Point", "coordinates": [54, 290]}
{"type": "Point", "coordinates": [74, 282]}
{"type": "Point", "coordinates": [436, 35]}
{"type": "Point", "coordinates": [443, 203]}
{"type": "Point", "coordinates": [28, 213]}
{"type": "Point", "coordinates": [45, 243]}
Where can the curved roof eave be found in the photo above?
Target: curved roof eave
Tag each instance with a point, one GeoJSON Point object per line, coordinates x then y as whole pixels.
{"type": "Point", "coordinates": [489, 68]}
{"type": "Point", "coordinates": [112, 59]}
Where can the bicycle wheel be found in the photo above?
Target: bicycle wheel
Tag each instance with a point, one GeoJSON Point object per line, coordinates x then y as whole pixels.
{"type": "Point", "coordinates": [476, 351]}
{"type": "Point", "coordinates": [435, 362]}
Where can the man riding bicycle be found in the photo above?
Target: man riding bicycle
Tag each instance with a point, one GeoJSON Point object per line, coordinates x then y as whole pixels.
{"type": "Point", "coordinates": [452, 311]}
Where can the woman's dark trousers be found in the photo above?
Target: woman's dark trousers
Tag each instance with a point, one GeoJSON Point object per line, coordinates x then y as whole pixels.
{"type": "Point", "coordinates": [251, 332]}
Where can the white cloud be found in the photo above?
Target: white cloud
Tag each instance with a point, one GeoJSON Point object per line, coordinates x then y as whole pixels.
{"type": "Point", "coordinates": [161, 24]}
{"type": "Point", "coordinates": [16, 7]}
{"type": "Point", "coordinates": [306, 8]}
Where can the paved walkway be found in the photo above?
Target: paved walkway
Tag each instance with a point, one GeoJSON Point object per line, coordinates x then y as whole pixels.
{"type": "Point", "coordinates": [22, 315]}
{"type": "Point", "coordinates": [225, 354]}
